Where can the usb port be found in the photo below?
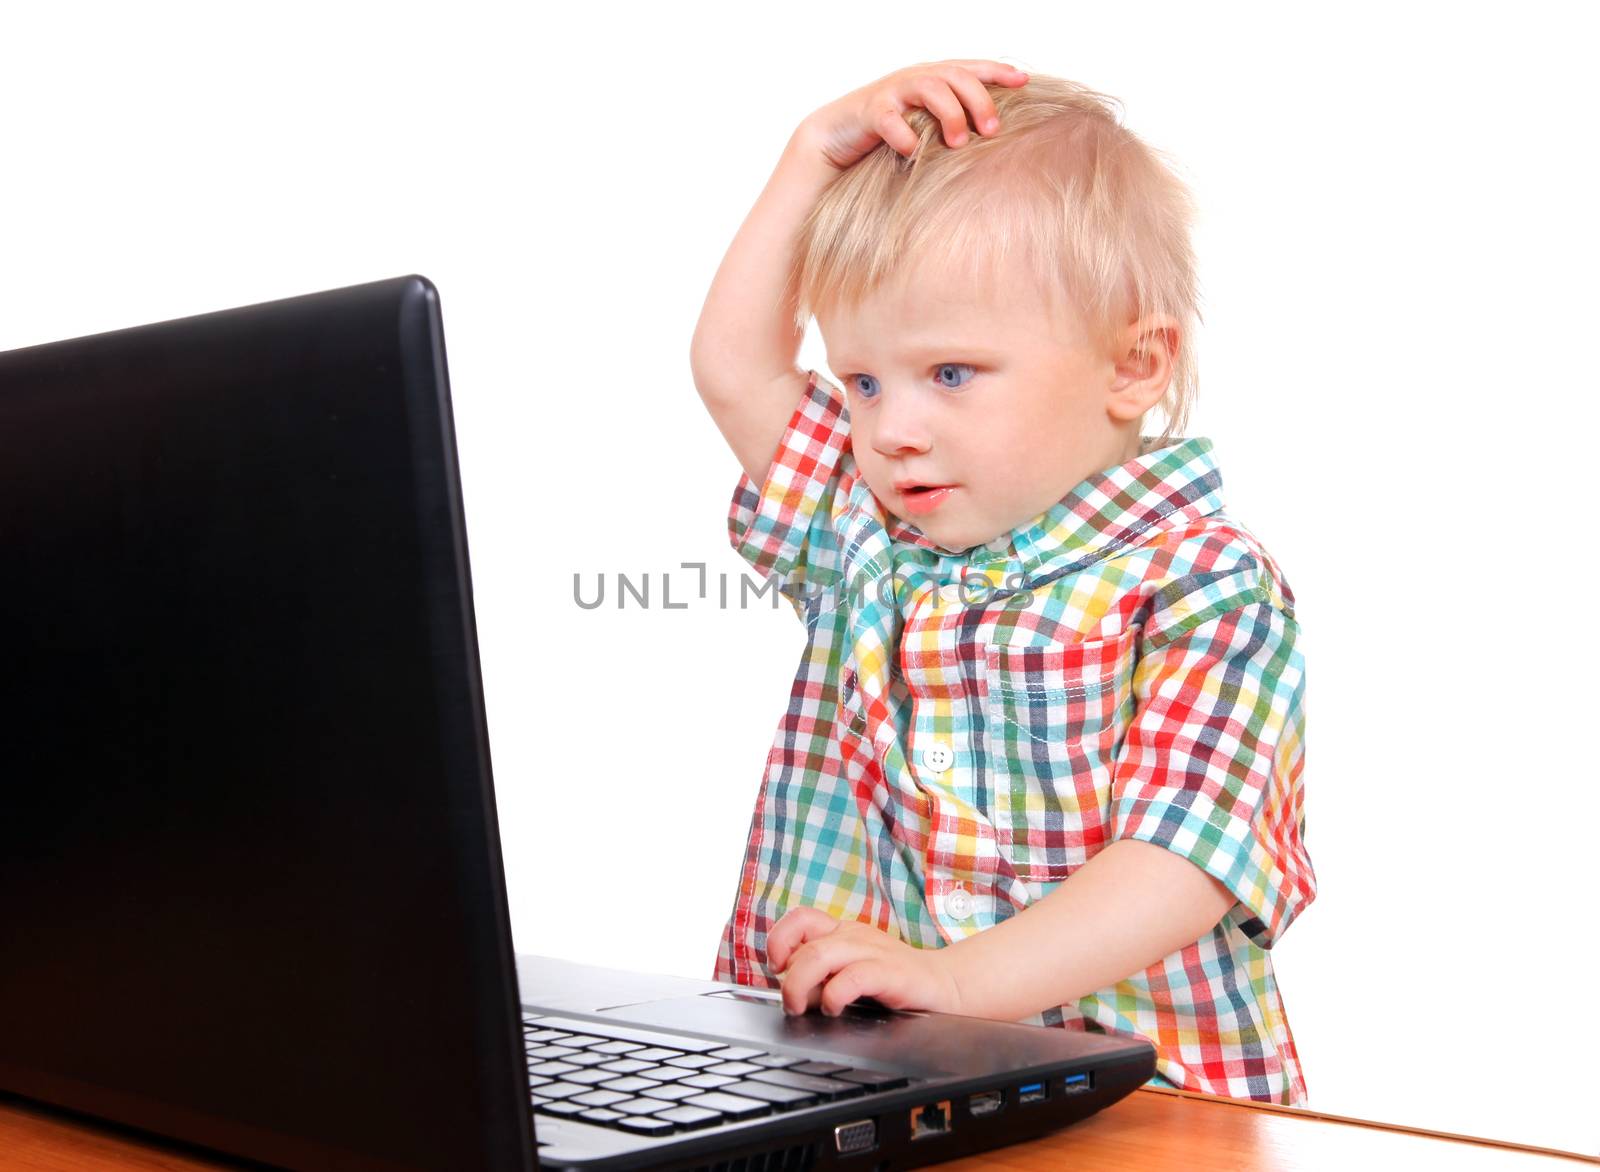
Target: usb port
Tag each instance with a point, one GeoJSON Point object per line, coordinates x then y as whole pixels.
{"type": "Point", "coordinates": [1032, 1092]}
{"type": "Point", "coordinates": [930, 1119]}
{"type": "Point", "coordinates": [986, 1102]}
{"type": "Point", "coordinates": [1077, 1084]}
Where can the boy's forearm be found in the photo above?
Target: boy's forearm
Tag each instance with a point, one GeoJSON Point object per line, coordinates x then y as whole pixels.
{"type": "Point", "coordinates": [1122, 911]}
{"type": "Point", "coordinates": [746, 335]}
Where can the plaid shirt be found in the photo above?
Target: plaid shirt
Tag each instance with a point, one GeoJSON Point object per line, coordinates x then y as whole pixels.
{"type": "Point", "coordinates": [966, 730]}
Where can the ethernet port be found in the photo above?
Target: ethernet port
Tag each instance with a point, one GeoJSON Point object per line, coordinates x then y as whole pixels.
{"type": "Point", "coordinates": [930, 1119]}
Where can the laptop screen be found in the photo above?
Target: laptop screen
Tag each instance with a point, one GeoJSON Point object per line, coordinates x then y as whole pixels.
{"type": "Point", "coordinates": [250, 883]}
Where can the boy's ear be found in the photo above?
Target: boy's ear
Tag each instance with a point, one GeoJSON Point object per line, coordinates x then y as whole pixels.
{"type": "Point", "coordinates": [1140, 379]}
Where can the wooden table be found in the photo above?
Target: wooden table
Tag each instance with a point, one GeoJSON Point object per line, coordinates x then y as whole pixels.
{"type": "Point", "coordinates": [1150, 1129]}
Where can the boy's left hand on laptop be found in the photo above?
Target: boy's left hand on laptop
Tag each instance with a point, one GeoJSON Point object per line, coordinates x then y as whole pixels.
{"type": "Point", "coordinates": [827, 963]}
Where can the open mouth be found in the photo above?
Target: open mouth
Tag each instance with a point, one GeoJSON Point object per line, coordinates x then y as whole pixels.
{"type": "Point", "coordinates": [922, 499]}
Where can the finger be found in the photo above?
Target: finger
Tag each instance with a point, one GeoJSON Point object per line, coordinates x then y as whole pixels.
{"type": "Point", "coordinates": [891, 126]}
{"type": "Point", "coordinates": [815, 961]}
{"type": "Point", "coordinates": [864, 978]}
{"type": "Point", "coordinates": [799, 988]}
{"type": "Point", "coordinates": [971, 91]}
{"type": "Point", "coordinates": [802, 987]}
{"type": "Point", "coordinates": [792, 929]}
{"type": "Point", "coordinates": [796, 927]}
{"type": "Point", "coordinates": [992, 72]}
{"type": "Point", "coordinates": [943, 104]}
{"type": "Point", "coordinates": [813, 997]}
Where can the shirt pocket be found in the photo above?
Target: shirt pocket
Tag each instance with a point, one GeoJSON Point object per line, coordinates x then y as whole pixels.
{"type": "Point", "coordinates": [1055, 715]}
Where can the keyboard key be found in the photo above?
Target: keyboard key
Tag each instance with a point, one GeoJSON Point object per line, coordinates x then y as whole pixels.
{"type": "Point", "coordinates": [694, 1061]}
{"type": "Point", "coordinates": [545, 1036]}
{"type": "Point", "coordinates": [733, 1106]}
{"type": "Point", "coordinates": [560, 1107]}
{"type": "Point", "coordinates": [662, 1073]}
{"type": "Point", "coordinates": [736, 1053]}
{"type": "Point", "coordinates": [584, 1040]}
{"type": "Point", "coordinates": [544, 1050]}
{"type": "Point", "coordinates": [600, 1115]}
{"type": "Point", "coordinates": [616, 1047]}
{"type": "Point", "coordinates": [553, 1068]}
{"type": "Point", "coordinates": [655, 1054]}
{"type": "Point", "coordinates": [832, 1088]}
{"type": "Point", "coordinates": [589, 1058]}
{"type": "Point", "coordinates": [635, 1034]}
{"type": "Point", "coordinates": [777, 1061]}
{"type": "Point", "coordinates": [873, 1080]}
{"type": "Point", "coordinates": [689, 1116]}
{"type": "Point", "coordinates": [630, 1084]}
{"type": "Point", "coordinates": [535, 1080]}
{"type": "Point", "coordinates": [561, 1090]}
{"type": "Point", "coordinates": [730, 1068]}
{"type": "Point", "coordinates": [670, 1092]}
{"type": "Point", "coordinates": [625, 1065]}
{"type": "Point", "coordinates": [819, 1068]}
{"type": "Point", "coordinates": [591, 1078]}
{"type": "Point", "coordinates": [640, 1106]}
{"type": "Point", "coordinates": [645, 1125]}
{"type": "Point", "coordinates": [707, 1082]}
{"type": "Point", "coordinates": [600, 1098]}
{"type": "Point", "coordinates": [782, 1096]}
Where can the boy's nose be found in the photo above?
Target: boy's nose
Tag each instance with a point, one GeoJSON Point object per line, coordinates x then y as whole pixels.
{"type": "Point", "coordinates": [899, 426]}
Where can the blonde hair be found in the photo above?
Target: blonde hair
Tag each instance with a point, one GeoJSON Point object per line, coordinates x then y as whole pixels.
{"type": "Point", "coordinates": [1097, 215]}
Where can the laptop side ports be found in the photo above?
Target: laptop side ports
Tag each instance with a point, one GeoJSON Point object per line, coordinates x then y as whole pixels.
{"type": "Point", "coordinates": [1032, 1092]}
{"type": "Point", "coordinates": [1078, 1084]}
{"type": "Point", "coordinates": [986, 1102]}
{"type": "Point", "coordinates": [930, 1119]}
{"type": "Point", "coordinates": [860, 1135]}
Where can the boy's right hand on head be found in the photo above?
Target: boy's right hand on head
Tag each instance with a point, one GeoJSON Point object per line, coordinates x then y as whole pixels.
{"type": "Point", "coordinates": [846, 129]}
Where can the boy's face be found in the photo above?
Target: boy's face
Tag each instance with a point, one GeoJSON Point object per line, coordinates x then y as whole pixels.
{"type": "Point", "coordinates": [982, 391]}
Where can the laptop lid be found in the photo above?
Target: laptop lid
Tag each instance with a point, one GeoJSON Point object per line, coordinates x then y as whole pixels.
{"type": "Point", "coordinates": [250, 881]}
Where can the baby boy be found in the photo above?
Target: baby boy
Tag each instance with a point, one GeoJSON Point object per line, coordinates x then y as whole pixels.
{"type": "Point", "coordinates": [1042, 757]}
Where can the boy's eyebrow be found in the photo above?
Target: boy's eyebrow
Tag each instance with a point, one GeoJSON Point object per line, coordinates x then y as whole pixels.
{"type": "Point", "coordinates": [943, 350]}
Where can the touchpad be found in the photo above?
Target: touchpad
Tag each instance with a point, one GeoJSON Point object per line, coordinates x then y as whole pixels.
{"type": "Point", "coordinates": [882, 1038]}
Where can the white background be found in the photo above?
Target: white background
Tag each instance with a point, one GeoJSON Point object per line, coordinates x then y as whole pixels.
{"type": "Point", "coordinates": [1398, 248]}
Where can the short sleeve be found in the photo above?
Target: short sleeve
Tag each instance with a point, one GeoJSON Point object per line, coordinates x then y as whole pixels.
{"type": "Point", "coordinates": [1211, 766]}
{"type": "Point", "coordinates": [783, 528]}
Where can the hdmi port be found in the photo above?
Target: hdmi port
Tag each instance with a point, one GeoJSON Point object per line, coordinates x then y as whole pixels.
{"type": "Point", "coordinates": [986, 1102]}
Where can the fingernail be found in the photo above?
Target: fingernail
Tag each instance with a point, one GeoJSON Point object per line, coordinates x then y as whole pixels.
{"type": "Point", "coordinates": [990, 125]}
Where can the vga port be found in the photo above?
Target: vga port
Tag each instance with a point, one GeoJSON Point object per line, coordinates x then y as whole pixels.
{"type": "Point", "coordinates": [860, 1135]}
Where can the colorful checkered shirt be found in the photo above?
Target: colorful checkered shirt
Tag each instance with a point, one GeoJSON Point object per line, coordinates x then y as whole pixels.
{"type": "Point", "coordinates": [967, 729]}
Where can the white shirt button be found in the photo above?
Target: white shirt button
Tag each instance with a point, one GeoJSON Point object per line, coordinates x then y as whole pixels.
{"type": "Point", "coordinates": [958, 903]}
{"type": "Point", "coordinates": [938, 756]}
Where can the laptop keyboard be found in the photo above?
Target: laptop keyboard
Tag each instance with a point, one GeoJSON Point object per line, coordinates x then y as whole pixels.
{"type": "Point", "coordinates": [657, 1083]}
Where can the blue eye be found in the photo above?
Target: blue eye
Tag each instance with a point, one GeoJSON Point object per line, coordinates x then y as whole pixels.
{"type": "Point", "coordinates": [867, 387]}
{"type": "Point", "coordinates": [951, 366]}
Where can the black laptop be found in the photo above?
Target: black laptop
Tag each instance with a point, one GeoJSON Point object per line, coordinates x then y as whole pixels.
{"type": "Point", "coordinates": [250, 880]}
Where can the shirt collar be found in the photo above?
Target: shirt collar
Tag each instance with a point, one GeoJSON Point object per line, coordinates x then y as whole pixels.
{"type": "Point", "coordinates": [1116, 507]}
